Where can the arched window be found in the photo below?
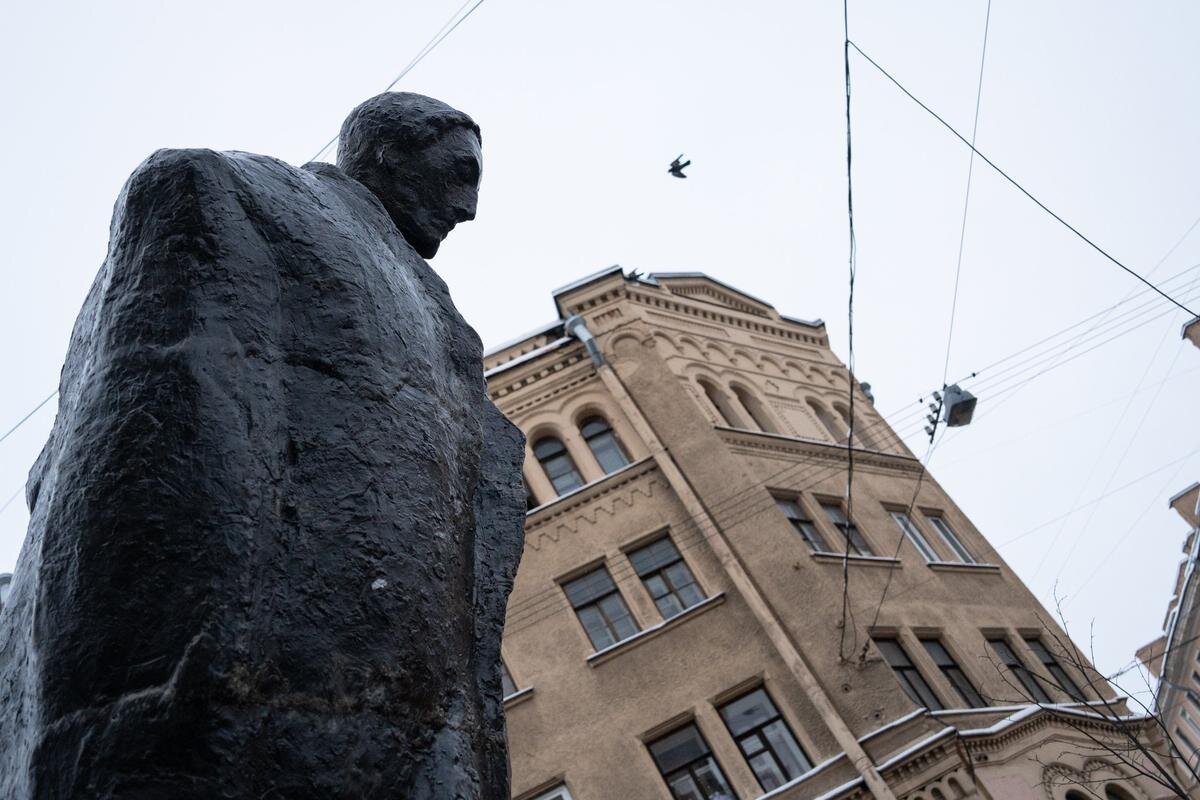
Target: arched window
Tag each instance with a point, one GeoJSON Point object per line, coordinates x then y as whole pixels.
{"type": "Point", "coordinates": [1114, 792]}
{"type": "Point", "coordinates": [836, 431]}
{"type": "Point", "coordinates": [721, 403]}
{"type": "Point", "coordinates": [603, 444]}
{"type": "Point", "coordinates": [557, 463]}
{"type": "Point", "coordinates": [754, 408]}
{"type": "Point", "coordinates": [1074, 795]}
{"type": "Point", "coordinates": [862, 430]}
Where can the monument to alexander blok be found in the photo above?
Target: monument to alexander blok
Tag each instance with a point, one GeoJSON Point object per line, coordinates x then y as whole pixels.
{"type": "Point", "coordinates": [276, 522]}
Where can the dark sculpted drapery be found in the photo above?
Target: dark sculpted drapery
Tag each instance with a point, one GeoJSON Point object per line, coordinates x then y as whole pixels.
{"type": "Point", "coordinates": [275, 525]}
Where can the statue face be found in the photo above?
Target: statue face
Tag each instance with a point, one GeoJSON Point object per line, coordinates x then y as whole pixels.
{"type": "Point", "coordinates": [429, 191]}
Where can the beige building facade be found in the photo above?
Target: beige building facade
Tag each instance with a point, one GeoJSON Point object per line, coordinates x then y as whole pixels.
{"type": "Point", "coordinates": [701, 612]}
{"type": "Point", "coordinates": [1174, 658]}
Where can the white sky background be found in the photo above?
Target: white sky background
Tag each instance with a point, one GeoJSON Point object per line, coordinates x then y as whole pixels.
{"type": "Point", "coordinates": [1091, 105]}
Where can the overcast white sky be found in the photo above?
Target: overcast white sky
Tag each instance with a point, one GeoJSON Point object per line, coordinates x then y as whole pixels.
{"type": "Point", "coordinates": [582, 105]}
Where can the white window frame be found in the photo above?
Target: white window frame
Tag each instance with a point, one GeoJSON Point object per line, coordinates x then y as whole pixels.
{"type": "Point", "coordinates": [951, 538]}
{"type": "Point", "coordinates": [559, 792]}
{"type": "Point", "coordinates": [918, 540]}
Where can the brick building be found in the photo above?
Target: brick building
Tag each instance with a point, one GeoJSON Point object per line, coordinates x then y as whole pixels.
{"type": "Point", "coordinates": [676, 627]}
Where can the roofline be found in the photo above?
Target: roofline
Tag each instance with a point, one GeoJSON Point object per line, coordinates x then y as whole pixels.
{"type": "Point", "coordinates": [496, 348]}
{"type": "Point", "coordinates": [1179, 495]}
{"type": "Point", "coordinates": [527, 357]}
{"type": "Point", "coordinates": [817, 323]}
{"type": "Point", "coordinates": [586, 279]}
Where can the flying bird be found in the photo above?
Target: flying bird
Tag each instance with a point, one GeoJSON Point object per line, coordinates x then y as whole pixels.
{"type": "Point", "coordinates": [676, 167]}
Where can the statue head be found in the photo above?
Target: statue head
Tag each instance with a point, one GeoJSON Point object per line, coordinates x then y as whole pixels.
{"type": "Point", "coordinates": [420, 157]}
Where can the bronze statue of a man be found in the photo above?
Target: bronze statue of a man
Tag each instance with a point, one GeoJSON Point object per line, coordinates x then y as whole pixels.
{"type": "Point", "coordinates": [276, 522]}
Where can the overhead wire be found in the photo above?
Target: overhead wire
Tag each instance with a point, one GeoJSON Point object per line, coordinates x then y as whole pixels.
{"type": "Point", "coordinates": [962, 233]}
{"type": "Point", "coordinates": [26, 418]}
{"type": "Point", "coordinates": [1017, 185]}
{"type": "Point", "coordinates": [962, 237]}
{"type": "Point", "coordinates": [853, 269]}
{"type": "Point", "coordinates": [446, 29]}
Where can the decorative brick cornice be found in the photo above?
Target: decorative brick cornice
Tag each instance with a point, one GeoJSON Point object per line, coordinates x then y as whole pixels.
{"type": "Point", "coordinates": [586, 504]}
{"type": "Point", "coordinates": [754, 443]}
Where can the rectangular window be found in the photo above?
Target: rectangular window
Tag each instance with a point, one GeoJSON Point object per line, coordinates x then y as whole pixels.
{"type": "Point", "coordinates": [803, 525]}
{"type": "Point", "coordinates": [953, 672]}
{"type": "Point", "coordinates": [1033, 689]}
{"type": "Point", "coordinates": [765, 739]}
{"type": "Point", "coordinates": [1060, 676]}
{"type": "Point", "coordinates": [666, 576]}
{"type": "Point", "coordinates": [687, 765]}
{"type": "Point", "coordinates": [848, 530]}
{"type": "Point", "coordinates": [910, 530]}
{"type": "Point", "coordinates": [601, 608]}
{"type": "Point", "coordinates": [557, 793]}
{"type": "Point", "coordinates": [951, 538]}
{"type": "Point", "coordinates": [907, 673]}
{"type": "Point", "coordinates": [506, 681]}
{"type": "Point", "coordinates": [1191, 721]}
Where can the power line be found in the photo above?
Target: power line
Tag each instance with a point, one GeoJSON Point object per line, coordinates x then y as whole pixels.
{"type": "Point", "coordinates": [1094, 500]}
{"type": "Point", "coordinates": [434, 41]}
{"type": "Point", "coordinates": [1018, 186]}
{"type": "Point", "coordinates": [962, 233]}
{"type": "Point", "coordinates": [9, 501]}
{"type": "Point", "coordinates": [25, 418]}
{"type": "Point", "coordinates": [853, 268]}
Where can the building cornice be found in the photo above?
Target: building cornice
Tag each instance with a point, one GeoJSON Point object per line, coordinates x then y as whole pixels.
{"type": "Point", "coordinates": [756, 443]}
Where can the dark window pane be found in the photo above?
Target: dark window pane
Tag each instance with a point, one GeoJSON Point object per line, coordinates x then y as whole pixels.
{"type": "Point", "coordinates": [748, 712]}
{"type": "Point", "coordinates": [506, 682]}
{"type": "Point", "coordinates": [669, 606]}
{"type": "Point", "coordinates": [769, 774]}
{"type": "Point", "coordinates": [1057, 673]}
{"type": "Point", "coordinates": [678, 749]}
{"type": "Point", "coordinates": [786, 749]}
{"type": "Point", "coordinates": [1033, 689]}
{"type": "Point", "coordinates": [591, 586]}
{"type": "Point", "coordinates": [803, 525]}
{"type": "Point", "coordinates": [858, 545]}
{"type": "Point", "coordinates": [654, 556]}
{"type": "Point", "coordinates": [603, 443]}
{"type": "Point", "coordinates": [769, 746]}
{"type": "Point", "coordinates": [557, 463]}
{"type": "Point", "coordinates": [953, 672]}
{"type": "Point", "coordinates": [911, 679]}
{"type": "Point", "coordinates": [666, 576]}
{"type": "Point", "coordinates": [597, 630]}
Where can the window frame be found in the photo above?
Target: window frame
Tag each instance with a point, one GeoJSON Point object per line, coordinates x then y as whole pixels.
{"type": "Point", "coordinates": [765, 745]}
{"type": "Point", "coordinates": [560, 792]}
{"type": "Point", "coordinates": [1018, 668]}
{"type": "Point", "coordinates": [915, 536]}
{"type": "Point", "coordinates": [611, 437]}
{"type": "Point", "coordinates": [905, 673]}
{"type": "Point", "coordinates": [804, 525]}
{"type": "Point", "coordinates": [659, 571]}
{"type": "Point", "coordinates": [862, 547]}
{"type": "Point", "coordinates": [953, 672]}
{"type": "Point", "coordinates": [1065, 683]}
{"type": "Point", "coordinates": [506, 676]}
{"type": "Point", "coordinates": [564, 454]}
{"type": "Point", "coordinates": [950, 537]}
{"type": "Point", "coordinates": [593, 602]}
{"type": "Point", "coordinates": [688, 767]}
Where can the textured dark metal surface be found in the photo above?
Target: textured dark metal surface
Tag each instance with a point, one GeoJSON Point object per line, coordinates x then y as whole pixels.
{"type": "Point", "coordinates": [276, 522]}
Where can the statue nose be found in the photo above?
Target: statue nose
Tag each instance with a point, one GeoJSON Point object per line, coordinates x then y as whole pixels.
{"type": "Point", "coordinates": [464, 213]}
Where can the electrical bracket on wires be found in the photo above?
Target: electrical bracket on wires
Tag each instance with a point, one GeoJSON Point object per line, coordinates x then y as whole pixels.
{"type": "Point", "coordinates": [954, 408]}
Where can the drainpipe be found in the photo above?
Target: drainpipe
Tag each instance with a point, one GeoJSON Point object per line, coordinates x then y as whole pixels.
{"type": "Point", "coordinates": [575, 326]}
